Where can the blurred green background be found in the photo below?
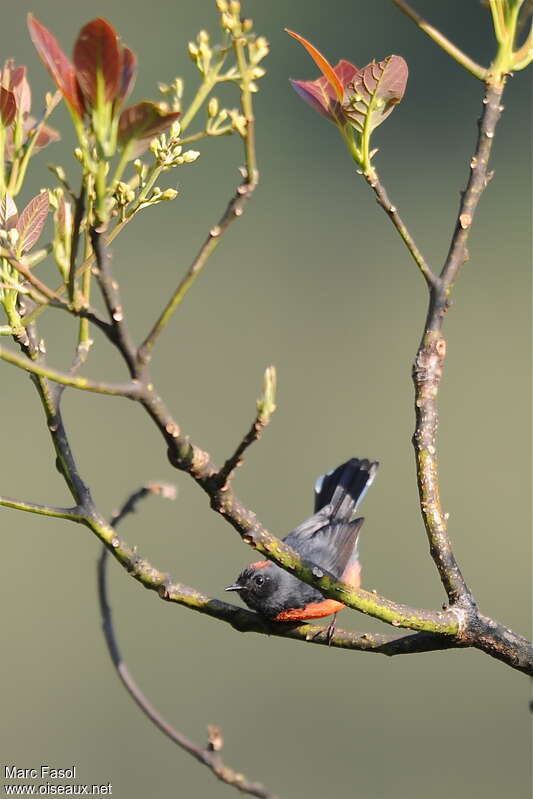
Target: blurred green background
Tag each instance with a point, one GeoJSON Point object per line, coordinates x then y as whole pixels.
{"type": "Point", "coordinates": [315, 280]}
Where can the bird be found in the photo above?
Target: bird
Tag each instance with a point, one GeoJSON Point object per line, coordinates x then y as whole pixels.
{"type": "Point", "coordinates": [328, 539]}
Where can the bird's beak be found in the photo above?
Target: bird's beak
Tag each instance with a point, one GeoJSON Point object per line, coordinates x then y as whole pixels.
{"type": "Point", "coordinates": [234, 587]}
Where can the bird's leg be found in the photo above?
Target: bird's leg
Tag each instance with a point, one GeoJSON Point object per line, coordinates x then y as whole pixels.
{"type": "Point", "coordinates": [330, 632]}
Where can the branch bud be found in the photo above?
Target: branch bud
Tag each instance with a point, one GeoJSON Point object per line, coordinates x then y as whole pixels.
{"type": "Point", "coordinates": [266, 405]}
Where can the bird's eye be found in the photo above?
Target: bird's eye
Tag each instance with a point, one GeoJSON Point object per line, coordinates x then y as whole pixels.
{"type": "Point", "coordinates": [259, 579]}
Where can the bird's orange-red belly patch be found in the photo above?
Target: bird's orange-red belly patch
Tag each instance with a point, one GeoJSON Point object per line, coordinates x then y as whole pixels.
{"type": "Point", "coordinates": [318, 610]}
{"type": "Point", "coordinates": [315, 610]}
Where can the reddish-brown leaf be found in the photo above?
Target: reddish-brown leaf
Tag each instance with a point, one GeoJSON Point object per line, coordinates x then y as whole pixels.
{"type": "Point", "coordinates": [14, 79]}
{"type": "Point", "coordinates": [320, 95]}
{"type": "Point", "coordinates": [127, 75]}
{"type": "Point", "coordinates": [315, 93]}
{"type": "Point", "coordinates": [58, 65]}
{"type": "Point", "coordinates": [31, 221]}
{"type": "Point", "coordinates": [345, 72]}
{"type": "Point", "coordinates": [8, 106]}
{"type": "Point", "coordinates": [142, 122]}
{"type": "Point", "coordinates": [8, 213]}
{"type": "Point", "coordinates": [97, 51]}
{"type": "Point", "coordinates": [322, 63]}
{"type": "Point", "coordinates": [375, 91]}
{"type": "Point", "coordinates": [45, 137]}
{"type": "Point", "coordinates": [63, 216]}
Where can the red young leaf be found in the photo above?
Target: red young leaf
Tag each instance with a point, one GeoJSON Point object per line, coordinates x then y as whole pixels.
{"type": "Point", "coordinates": [143, 122]}
{"type": "Point", "coordinates": [128, 74]}
{"type": "Point", "coordinates": [97, 52]}
{"type": "Point", "coordinates": [57, 64]}
{"type": "Point", "coordinates": [319, 93]}
{"type": "Point", "coordinates": [14, 79]}
{"type": "Point", "coordinates": [45, 137]}
{"type": "Point", "coordinates": [315, 94]}
{"type": "Point", "coordinates": [8, 212]}
{"type": "Point", "coordinates": [31, 221]}
{"type": "Point", "coordinates": [375, 91]}
{"type": "Point", "coordinates": [322, 63]}
{"type": "Point", "coordinates": [345, 72]}
{"type": "Point", "coordinates": [8, 106]}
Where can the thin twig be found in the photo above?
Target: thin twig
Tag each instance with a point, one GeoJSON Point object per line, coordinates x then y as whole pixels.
{"type": "Point", "coordinates": [26, 272]}
{"type": "Point", "coordinates": [83, 268]}
{"type": "Point", "coordinates": [82, 353]}
{"type": "Point", "coordinates": [234, 210]}
{"type": "Point", "coordinates": [439, 38]}
{"type": "Point", "coordinates": [208, 756]}
{"type": "Point", "coordinates": [79, 211]}
{"type": "Point", "coordinates": [52, 298]}
{"type": "Point", "coordinates": [266, 406]}
{"type": "Point", "coordinates": [73, 514]}
{"type": "Point", "coordinates": [111, 294]}
{"type": "Point", "coordinates": [235, 460]}
{"type": "Point", "coordinates": [130, 389]}
{"type": "Point", "coordinates": [392, 212]}
{"type": "Point", "coordinates": [247, 109]}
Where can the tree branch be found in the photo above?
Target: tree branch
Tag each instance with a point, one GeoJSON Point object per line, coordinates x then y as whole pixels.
{"type": "Point", "coordinates": [186, 456]}
{"type": "Point", "coordinates": [449, 47]}
{"type": "Point", "coordinates": [79, 212]}
{"type": "Point", "coordinates": [461, 625]}
{"type": "Point", "coordinates": [111, 294]}
{"type": "Point", "coordinates": [208, 756]}
{"type": "Point", "coordinates": [83, 383]}
{"type": "Point", "coordinates": [477, 182]}
{"type": "Point", "coordinates": [392, 212]}
{"type": "Point", "coordinates": [234, 210]}
{"type": "Point", "coordinates": [52, 298]}
{"type": "Point", "coordinates": [73, 514]}
{"type": "Point", "coordinates": [427, 369]}
{"type": "Point", "coordinates": [265, 408]}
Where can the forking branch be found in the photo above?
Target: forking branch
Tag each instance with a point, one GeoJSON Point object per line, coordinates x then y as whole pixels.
{"type": "Point", "coordinates": [357, 101]}
{"type": "Point", "coordinates": [460, 623]}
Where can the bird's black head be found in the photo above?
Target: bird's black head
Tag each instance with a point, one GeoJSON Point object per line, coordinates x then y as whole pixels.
{"type": "Point", "coordinates": [257, 584]}
{"type": "Point", "coordinates": [270, 590]}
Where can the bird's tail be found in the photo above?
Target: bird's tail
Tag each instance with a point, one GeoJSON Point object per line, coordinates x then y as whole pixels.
{"type": "Point", "coordinates": [344, 487]}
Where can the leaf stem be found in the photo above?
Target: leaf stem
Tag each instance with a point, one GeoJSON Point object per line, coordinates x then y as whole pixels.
{"type": "Point", "coordinates": [248, 112]}
{"type": "Point", "coordinates": [203, 92]}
